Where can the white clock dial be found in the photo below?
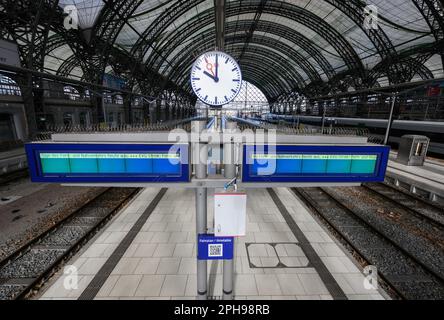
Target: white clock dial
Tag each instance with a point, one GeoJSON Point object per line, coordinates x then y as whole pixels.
{"type": "Point", "coordinates": [216, 78]}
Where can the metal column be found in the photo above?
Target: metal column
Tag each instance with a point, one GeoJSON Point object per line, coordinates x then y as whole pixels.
{"type": "Point", "coordinates": [323, 119]}
{"type": "Point", "coordinates": [229, 165]}
{"type": "Point", "coordinates": [153, 112]}
{"type": "Point", "coordinates": [390, 121]}
{"type": "Point", "coordinates": [200, 155]}
{"type": "Point", "coordinates": [229, 173]}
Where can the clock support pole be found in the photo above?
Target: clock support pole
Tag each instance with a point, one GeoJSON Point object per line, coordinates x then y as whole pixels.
{"type": "Point", "coordinates": [229, 173]}
{"type": "Point", "coordinates": [201, 150]}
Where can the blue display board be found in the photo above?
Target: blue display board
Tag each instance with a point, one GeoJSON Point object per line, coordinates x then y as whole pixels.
{"type": "Point", "coordinates": [104, 163]}
{"type": "Point", "coordinates": [210, 247]}
{"type": "Point", "coordinates": [287, 163]}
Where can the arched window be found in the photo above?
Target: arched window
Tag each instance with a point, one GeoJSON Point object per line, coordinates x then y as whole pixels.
{"type": "Point", "coordinates": [118, 99]}
{"type": "Point", "coordinates": [71, 92]}
{"type": "Point", "coordinates": [9, 87]}
{"type": "Point", "coordinates": [250, 102]}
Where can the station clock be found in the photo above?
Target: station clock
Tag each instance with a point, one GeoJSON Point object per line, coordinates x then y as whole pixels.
{"type": "Point", "coordinates": [216, 78]}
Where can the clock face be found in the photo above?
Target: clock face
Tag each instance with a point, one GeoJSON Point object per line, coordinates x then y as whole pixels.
{"type": "Point", "coordinates": [216, 78]}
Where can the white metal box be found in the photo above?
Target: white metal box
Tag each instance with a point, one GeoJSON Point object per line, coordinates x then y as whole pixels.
{"type": "Point", "coordinates": [230, 214]}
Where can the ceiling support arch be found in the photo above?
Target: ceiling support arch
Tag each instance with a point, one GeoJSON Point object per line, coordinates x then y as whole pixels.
{"type": "Point", "coordinates": [162, 22]}
{"type": "Point", "coordinates": [183, 65]}
{"type": "Point", "coordinates": [301, 15]}
{"type": "Point", "coordinates": [433, 13]}
{"type": "Point", "coordinates": [187, 56]}
{"type": "Point", "coordinates": [266, 75]}
{"type": "Point", "coordinates": [184, 33]}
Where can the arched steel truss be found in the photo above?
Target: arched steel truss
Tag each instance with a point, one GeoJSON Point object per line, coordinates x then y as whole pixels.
{"type": "Point", "coordinates": [34, 19]}
{"type": "Point", "coordinates": [262, 45]}
{"type": "Point", "coordinates": [433, 13]}
{"type": "Point", "coordinates": [286, 10]}
{"type": "Point", "coordinates": [260, 55]}
{"type": "Point", "coordinates": [293, 56]}
{"type": "Point", "coordinates": [184, 33]}
{"type": "Point", "coordinates": [353, 9]}
{"type": "Point", "coordinates": [284, 81]}
{"type": "Point", "coordinates": [258, 74]}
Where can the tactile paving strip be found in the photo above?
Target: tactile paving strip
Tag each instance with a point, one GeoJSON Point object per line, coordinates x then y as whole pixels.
{"type": "Point", "coordinates": [325, 275]}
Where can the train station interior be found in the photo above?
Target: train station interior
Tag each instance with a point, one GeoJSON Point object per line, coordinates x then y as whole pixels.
{"type": "Point", "coordinates": [221, 150]}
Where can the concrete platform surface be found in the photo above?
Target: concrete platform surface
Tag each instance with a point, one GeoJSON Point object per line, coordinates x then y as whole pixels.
{"type": "Point", "coordinates": [160, 263]}
{"type": "Point", "coordinates": [429, 177]}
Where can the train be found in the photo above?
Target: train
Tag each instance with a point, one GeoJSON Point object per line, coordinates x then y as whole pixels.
{"type": "Point", "coordinates": [377, 127]}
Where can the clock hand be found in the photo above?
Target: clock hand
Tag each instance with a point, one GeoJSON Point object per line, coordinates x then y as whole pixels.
{"type": "Point", "coordinates": [217, 69]}
{"type": "Point", "coordinates": [209, 67]}
{"type": "Point", "coordinates": [209, 75]}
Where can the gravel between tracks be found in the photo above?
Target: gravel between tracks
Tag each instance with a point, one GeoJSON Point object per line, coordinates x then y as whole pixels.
{"type": "Point", "coordinates": [80, 221]}
{"type": "Point", "coordinates": [57, 202]}
{"type": "Point", "coordinates": [34, 263]}
{"type": "Point", "coordinates": [31, 264]}
{"type": "Point", "coordinates": [65, 236]}
{"type": "Point", "coordinates": [422, 206]}
{"type": "Point", "coordinates": [409, 278]}
{"type": "Point", "coordinates": [418, 237]}
{"type": "Point", "coordinates": [8, 292]}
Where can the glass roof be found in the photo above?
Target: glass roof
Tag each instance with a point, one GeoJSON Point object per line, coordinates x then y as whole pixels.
{"type": "Point", "coordinates": [328, 36]}
{"type": "Point", "coordinates": [87, 10]}
{"type": "Point", "coordinates": [250, 98]}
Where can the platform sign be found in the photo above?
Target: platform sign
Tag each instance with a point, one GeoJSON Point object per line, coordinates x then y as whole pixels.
{"type": "Point", "coordinates": [308, 164]}
{"type": "Point", "coordinates": [210, 247]}
{"type": "Point", "coordinates": [105, 163]}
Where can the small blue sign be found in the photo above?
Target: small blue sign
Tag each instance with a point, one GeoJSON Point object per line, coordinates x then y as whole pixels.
{"type": "Point", "coordinates": [210, 247]}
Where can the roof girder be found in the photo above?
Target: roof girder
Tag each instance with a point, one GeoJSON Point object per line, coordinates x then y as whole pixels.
{"type": "Point", "coordinates": [180, 68]}
{"type": "Point", "coordinates": [254, 61]}
{"type": "Point", "coordinates": [184, 32]}
{"type": "Point", "coordinates": [301, 15]}
{"type": "Point", "coordinates": [266, 41]}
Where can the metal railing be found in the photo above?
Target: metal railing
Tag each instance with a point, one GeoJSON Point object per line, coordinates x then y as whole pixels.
{"type": "Point", "coordinates": [123, 128]}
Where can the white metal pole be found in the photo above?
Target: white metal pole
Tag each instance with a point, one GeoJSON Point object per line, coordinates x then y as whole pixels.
{"type": "Point", "coordinates": [200, 152]}
{"type": "Point", "coordinates": [230, 173]}
{"type": "Point", "coordinates": [390, 120]}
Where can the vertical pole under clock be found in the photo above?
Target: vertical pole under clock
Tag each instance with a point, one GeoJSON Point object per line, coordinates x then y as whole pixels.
{"type": "Point", "coordinates": [230, 173]}
{"type": "Point", "coordinates": [201, 228]}
{"type": "Point", "coordinates": [200, 155]}
{"type": "Point", "coordinates": [228, 278]}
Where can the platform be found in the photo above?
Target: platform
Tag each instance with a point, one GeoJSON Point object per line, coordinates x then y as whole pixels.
{"type": "Point", "coordinates": [274, 261]}
{"type": "Point", "coordinates": [427, 179]}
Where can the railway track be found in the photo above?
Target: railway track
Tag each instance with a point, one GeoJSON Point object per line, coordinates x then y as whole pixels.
{"type": "Point", "coordinates": [407, 275]}
{"type": "Point", "coordinates": [422, 208]}
{"type": "Point", "coordinates": [414, 234]}
{"type": "Point", "coordinates": [26, 269]}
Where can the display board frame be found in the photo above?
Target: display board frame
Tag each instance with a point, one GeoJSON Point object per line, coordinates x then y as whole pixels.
{"type": "Point", "coordinates": [378, 175]}
{"type": "Point", "coordinates": [33, 151]}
